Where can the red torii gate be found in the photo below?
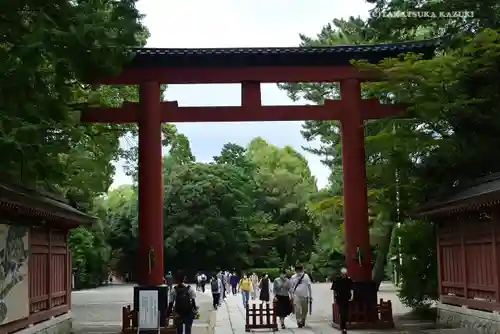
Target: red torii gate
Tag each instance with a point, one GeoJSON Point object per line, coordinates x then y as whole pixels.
{"type": "Point", "coordinates": [250, 67]}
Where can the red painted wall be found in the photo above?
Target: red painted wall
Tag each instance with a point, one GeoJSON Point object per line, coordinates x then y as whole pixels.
{"type": "Point", "coordinates": [468, 253]}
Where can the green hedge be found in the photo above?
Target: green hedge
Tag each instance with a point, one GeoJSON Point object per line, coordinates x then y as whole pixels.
{"type": "Point", "coordinates": [272, 272]}
{"type": "Point", "coordinates": [316, 276]}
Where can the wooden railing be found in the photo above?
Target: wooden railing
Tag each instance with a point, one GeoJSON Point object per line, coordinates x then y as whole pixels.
{"type": "Point", "coordinates": [360, 316]}
{"type": "Point", "coordinates": [261, 316]}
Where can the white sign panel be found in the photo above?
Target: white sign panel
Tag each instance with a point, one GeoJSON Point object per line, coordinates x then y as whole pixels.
{"type": "Point", "coordinates": [148, 309]}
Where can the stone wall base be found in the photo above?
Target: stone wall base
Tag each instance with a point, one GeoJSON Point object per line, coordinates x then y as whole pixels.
{"type": "Point", "coordinates": [475, 321]}
{"type": "Point", "coordinates": [62, 324]}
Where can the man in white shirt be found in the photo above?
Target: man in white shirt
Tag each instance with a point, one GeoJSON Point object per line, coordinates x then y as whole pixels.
{"type": "Point", "coordinates": [302, 294]}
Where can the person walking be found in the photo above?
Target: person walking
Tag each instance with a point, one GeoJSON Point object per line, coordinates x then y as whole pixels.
{"type": "Point", "coordinates": [302, 294]}
{"type": "Point", "coordinates": [343, 293]}
{"type": "Point", "coordinates": [169, 279]}
{"type": "Point", "coordinates": [183, 304]}
{"type": "Point", "coordinates": [223, 281]}
{"type": "Point", "coordinates": [234, 283]}
{"type": "Point", "coordinates": [198, 281]}
{"type": "Point", "coordinates": [203, 282]}
{"type": "Point", "coordinates": [216, 287]}
{"type": "Point", "coordinates": [255, 285]}
{"type": "Point", "coordinates": [264, 289]}
{"type": "Point", "coordinates": [227, 281]}
{"type": "Point", "coordinates": [221, 277]}
{"type": "Point", "coordinates": [245, 288]}
{"type": "Point", "coordinates": [283, 303]}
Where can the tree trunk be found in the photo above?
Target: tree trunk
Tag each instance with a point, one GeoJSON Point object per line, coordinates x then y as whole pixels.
{"type": "Point", "coordinates": [378, 272]}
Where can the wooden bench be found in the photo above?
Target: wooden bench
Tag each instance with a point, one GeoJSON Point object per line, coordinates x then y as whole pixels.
{"type": "Point", "coordinates": [261, 316]}
{"type": "Point", "coordinates": [129, 322]}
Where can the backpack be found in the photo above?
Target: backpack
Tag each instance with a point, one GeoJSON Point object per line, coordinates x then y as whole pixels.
{"type": "Point", "coordinates": [183, 301]}
{"type": "Point", "coordinates": [214, 286]}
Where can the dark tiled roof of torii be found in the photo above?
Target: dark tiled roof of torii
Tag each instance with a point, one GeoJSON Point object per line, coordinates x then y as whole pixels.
{"type": "Point", "coordinates": [336, 55]}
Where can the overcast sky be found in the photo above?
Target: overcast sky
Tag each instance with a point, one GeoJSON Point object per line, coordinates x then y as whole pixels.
{"type": "Point", "coordinates": [238, 23]}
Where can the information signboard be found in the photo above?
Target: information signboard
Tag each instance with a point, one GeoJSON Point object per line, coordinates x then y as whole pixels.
{"type": "Point", "coordinates": [151, 302]}
{"type": "Point", "coordinates": [148, 309]}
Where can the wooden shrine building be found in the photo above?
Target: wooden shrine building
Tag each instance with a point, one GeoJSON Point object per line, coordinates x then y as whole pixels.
{"type": "Point", "coordinates": [35, 261]}
{"type": "Point", "coordinates": [251, 67]}
{"type": "Point", "coordinates": [468, 251]}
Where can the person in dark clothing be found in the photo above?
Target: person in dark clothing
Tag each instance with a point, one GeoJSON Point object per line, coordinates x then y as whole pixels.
{"type": "Point", "coordinates": [216, 288]}
{"type": "Point", "coordinates": [234, 283]}
{"type": "Point", "coordinates": [343, 293]}
{"type": "Point", "coordinates": [264, 289]}
{"type": "Point", "coordinates": [183, 304]}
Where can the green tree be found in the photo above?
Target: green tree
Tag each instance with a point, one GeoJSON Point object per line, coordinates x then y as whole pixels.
{"type": "Point", "coordinates": [285, 185]}
{"type": "Point", "coordinates": [206, 213]}
{"type": "Point", "coordinates": [120, 208]}
{"type": "Point", "coordinates": [48, 51]}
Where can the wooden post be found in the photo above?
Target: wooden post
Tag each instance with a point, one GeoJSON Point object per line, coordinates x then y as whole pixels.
{"type": "Point", "coordinates": [439, 260]}
{"type": "Point", "coordinates": [69, 271]}
{"type": "Point", "coordinates": [50, 273]}
{"type": "Point", "coordinates": [251, 95]}
{"type": "Point", "coordinates": [247, 318]}
{"type": "Point", "coordinates": [464, 259]}
{"type": "Point", "coordinates": [357, 236]}
{"type": "Point", "coordinates": [150, 261]}
{"type": "Point", "coordinates": [494, 219]}
{"type": "Point", "coordinates": [261, 315]}
{"type": "Point", "coordinates": [125, 320]}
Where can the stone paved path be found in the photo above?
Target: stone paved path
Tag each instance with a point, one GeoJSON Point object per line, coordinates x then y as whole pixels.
{"type": "Point", "coordinates": [231, 315]}
{"type": "Point", "coordinates": [99, 310]}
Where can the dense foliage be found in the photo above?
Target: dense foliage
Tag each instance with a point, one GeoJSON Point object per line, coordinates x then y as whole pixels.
{"type": "Point", "coordinates": [256, 206]}
{"type": "Point", "coordinates": [247, 209]}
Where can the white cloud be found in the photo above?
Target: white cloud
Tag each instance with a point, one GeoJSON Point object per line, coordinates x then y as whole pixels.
{"type": "Point", "coordinates": [233, 23]}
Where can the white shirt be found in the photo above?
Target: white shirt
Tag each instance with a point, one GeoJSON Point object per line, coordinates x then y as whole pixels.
{"type": "Point", "coordinates": [173, 293]}
{"type": "Point", "coordinates": [304, 288]}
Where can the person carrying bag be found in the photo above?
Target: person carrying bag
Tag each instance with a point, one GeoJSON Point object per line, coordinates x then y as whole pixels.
{"type": "Point", "coordinates": [302, 294]}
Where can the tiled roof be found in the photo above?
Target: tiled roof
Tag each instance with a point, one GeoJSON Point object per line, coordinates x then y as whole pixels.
{"type": "Point", "coordinates": [292, 56]}
{"type": "Point", "coordinates": [486, 186]}
{"type": "Point", "coordinates": [31, 199]}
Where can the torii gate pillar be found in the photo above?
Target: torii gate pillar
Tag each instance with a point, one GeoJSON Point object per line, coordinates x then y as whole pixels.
{"type": "Point", "coordinates": [357, 238]}
{"type": "Point", "coordinates": [150, 255]}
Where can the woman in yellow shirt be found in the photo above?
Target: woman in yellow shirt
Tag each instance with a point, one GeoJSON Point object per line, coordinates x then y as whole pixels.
{"type": "Point", "coordinates": [245, 288]}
